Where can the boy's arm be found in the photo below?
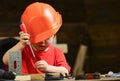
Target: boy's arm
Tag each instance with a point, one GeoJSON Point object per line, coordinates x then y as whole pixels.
{"type": "Point", "coordinates": [45, 67]}
{"type": "Point", "coordinates": [24, 40]}
{"type": "Point", "coordinates": [58, 69]}
{"type": "Point", "coordinates": [18, 46]}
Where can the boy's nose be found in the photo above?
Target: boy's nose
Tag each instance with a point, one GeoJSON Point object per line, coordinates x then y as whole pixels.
{"type": "Point", "coordinates": [42, 42]}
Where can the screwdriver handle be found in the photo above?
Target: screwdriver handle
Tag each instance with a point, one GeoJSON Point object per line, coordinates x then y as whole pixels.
{"type": "Point", "coordinates": [23, 28]}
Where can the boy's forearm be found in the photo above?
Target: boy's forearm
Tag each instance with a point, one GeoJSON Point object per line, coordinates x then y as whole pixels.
{"type": "Point", "coordinates": [57, 69]}
{"type": "Point", "coordinates": [18, 46]}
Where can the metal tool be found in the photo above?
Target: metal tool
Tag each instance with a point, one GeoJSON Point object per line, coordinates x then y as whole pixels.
{"type": "Point", "coordinates": [15, 62]}
{"type": "Point", "coordinates": [23, 28]}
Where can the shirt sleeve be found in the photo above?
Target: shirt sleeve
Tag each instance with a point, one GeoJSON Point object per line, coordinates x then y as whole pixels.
{"type": "Point", "coordinates": [61, 60]}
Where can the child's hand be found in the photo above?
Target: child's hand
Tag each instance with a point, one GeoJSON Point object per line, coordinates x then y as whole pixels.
{"type": "Point", "coordinates": [24, 38]}
{"type": "Point", "coordinates": [42, 65]}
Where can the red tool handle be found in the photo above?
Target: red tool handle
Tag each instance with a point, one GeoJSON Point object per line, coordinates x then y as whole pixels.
{"type": "Point", "coordinates": [23, 28]}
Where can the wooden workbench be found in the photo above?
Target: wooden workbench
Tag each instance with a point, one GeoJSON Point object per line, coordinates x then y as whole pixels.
{"type": "Point", "coordinates": [105, 79]}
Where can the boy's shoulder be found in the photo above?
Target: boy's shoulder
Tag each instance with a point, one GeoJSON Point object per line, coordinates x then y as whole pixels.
{"type": "Point", "coordinates": [52, 47]}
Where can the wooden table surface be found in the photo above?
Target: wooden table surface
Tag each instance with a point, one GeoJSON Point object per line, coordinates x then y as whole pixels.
{"type": "Point", "coordinates": [103, 79]}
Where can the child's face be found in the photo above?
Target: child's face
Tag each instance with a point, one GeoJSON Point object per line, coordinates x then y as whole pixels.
{"type": "Point", "coordinates": [43, 45]}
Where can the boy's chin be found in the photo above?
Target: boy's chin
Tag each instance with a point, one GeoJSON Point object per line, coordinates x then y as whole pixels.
{"type": "Point", "coordinates": [43, 49]}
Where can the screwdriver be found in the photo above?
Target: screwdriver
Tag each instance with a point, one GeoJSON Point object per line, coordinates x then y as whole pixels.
{"type": "Point", "coordinates": [23, 28]}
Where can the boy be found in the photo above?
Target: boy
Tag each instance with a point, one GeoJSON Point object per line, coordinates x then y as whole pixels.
{"type": "Point", "coordinates": [41, 22]}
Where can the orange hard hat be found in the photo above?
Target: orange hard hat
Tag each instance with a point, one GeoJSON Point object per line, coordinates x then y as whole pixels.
{"type": "Point", "coordinates": [41, 21]}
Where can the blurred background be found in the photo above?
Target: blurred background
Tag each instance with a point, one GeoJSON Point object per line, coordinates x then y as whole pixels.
{"type": "Point", "coordinates": [94, 23]}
